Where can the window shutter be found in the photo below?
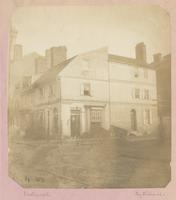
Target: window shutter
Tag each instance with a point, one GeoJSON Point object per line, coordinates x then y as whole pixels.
{"type": "Point", "coordinates": [151, 117]}
{"type": "Point", "coordinates": [133, 93]}
{"type": "Point", "coordinates": [82, 89]}
{"type": "Point", "coordinates": [144, 117]}
{"type": "Point", "coordinates": [149, 94]}
{"type": "Point", "coordinates": [142, 93]}
{"type": "Point", "coordinates": [91, 90]}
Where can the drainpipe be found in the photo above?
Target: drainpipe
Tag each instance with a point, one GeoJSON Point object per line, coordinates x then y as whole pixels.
{"type": "Point", "coordinates": [60, 111]}
{"type": "Point", "coordinates": [109, 99]}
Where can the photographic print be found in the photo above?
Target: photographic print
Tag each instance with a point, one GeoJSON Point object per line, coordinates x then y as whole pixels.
{"type": "Point", "coordinates": [89, 97]}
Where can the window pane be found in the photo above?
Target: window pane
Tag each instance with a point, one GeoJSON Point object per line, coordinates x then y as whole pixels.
{"type": "Point", "coordinates": [86, 89]}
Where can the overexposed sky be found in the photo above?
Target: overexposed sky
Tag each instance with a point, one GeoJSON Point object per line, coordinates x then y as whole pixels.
{"type": "Point", "coordinates": [82, 28]}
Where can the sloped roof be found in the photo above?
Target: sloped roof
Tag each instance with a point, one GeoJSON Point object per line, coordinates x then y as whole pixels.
{"type": "Point", "coordinates": [52, 72]}
{"type": "Point", "coordinates": [126, 60]}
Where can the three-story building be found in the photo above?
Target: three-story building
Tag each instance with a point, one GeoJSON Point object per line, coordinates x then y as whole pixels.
{"type": "Point", "coordinates": [94, 90]}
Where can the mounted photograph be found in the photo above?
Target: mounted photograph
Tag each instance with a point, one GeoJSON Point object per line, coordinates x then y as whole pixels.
{"type": "Point", "coordinates": [89, 97]}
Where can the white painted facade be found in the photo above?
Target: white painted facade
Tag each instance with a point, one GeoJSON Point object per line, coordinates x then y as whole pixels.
{"type": "Point", "coordinates": [93, 90]}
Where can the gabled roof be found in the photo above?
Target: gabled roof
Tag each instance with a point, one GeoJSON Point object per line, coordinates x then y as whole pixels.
{"type": "Point", "coordinates": [51, 73]}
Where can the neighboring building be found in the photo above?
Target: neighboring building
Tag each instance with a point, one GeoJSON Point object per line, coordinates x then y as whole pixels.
{"type": "Point", "coordinates": [162, 66]}
{"type": "Point", "coordinates": [92, 90]}
{"type": "Point", "coordinates": [26, 69]}
{"type": "Point", "coordinates": [163, 72]}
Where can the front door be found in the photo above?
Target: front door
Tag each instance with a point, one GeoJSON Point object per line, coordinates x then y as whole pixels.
{"type": "Point", "coordinates": [133, 120]}
{"type": "Point", "coordinates": [96, 118]}
{"type": "Point", "coordinates": [75, 124]}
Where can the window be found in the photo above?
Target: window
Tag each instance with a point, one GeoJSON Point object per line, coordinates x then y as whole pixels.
{"type": "Point", "coordinates": [133, 120]}
{"type": "Point", "coordinates": [145, 73]}
{"type": "Point", "coordinates": [136, 73]}
{"type": "Point", "coordinates": [41, 92]}
{"type": "Point", "coordinates": [146, 94]}
{"type": "Point", "coordinates": [51, 90]}
{"type": "Point", "coordinates": [147, 116]}
{"type": "Point", "coordinates": [95, 115]}
{"type": "Point", "coordinates": [137, 93]}
{"type": "Point", "coordinates": [85, 90]}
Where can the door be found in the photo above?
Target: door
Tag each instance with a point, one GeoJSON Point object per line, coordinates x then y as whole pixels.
{"type": "Point", "coordinates": [55, 121]}
{"type": "Point", "coordinates": [96, 118]}
{"type": "Point", "coordinates": [75, 124]}
{"type": "Point", "coordinates": [133, 120]}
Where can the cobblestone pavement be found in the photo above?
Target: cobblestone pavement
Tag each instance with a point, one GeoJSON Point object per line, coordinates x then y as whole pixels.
{"type": "Point", "coordinates": [107, 163]}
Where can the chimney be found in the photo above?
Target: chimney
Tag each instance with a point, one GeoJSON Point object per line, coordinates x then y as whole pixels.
{"type": "Point", "coordinates": [55, 55]}
{"type": "Point", "coordinates": [40, 65]}
{"type": "Point", "coordinates": [13, 36]}
{"type": "Point", "coordinates": [141, 53]}
{"type": "Point", "coordinates": [157, 58]}
{"type": "Point", "coordinates": [18, 52]}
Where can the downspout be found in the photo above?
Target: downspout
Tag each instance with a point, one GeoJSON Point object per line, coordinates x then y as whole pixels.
{"type": "Point", "coordinates": [109, 99]}
{"type": "Point", "coordinates": [60, 110]}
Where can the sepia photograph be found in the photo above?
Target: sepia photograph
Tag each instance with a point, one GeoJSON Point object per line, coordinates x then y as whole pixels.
{"type": "Point", "coordinates": [89, 97]}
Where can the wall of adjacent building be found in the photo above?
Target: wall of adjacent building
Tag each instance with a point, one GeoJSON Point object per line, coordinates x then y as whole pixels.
{"type": "Point", "coordinates": [124, 80]}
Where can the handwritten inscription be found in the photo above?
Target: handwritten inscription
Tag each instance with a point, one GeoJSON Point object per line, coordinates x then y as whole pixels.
{"type": "Point", "coordinates": [149, 194]}
{"type": "Point", "coordinates": [36, 194]}
{"type": "Point", "coordinates": [29, 179]}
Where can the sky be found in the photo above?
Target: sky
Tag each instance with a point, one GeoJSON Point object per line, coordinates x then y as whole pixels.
{"type": "Point", "coordinates": [86, 28]}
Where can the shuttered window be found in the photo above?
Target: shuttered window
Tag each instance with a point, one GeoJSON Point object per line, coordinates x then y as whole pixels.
{"type": "Point", "coordinates": [147, 116]}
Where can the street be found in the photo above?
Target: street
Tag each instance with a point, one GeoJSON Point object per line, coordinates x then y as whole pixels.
{"type": "Point", "coordinates": [90, 163]}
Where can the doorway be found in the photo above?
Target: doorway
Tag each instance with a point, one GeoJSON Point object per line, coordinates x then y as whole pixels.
{"type": "Point", "coordinates": [133, 120]}
{"type": "Point", "coordinates": [96, 118]}
{"type": "Point", "coordinates": [75, 123]}
{"type": "Point", "coordinates": [55, 121]}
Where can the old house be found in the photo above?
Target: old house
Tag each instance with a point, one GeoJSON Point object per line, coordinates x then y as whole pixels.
{"type": "Point", "coordinates": [92, 90]}
{"type": "Point", "coordinates": [162, 65]}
